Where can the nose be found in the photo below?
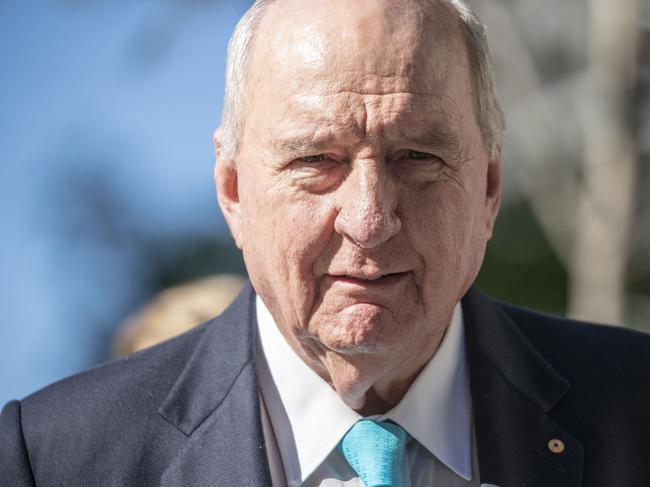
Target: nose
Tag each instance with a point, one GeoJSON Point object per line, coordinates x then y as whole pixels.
{"type": "Point", "coordinates": [367, 204]}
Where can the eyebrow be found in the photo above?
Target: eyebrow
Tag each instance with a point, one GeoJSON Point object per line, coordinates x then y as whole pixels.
{"type": "Point", "coordinates": [297, 144]}
{"type": "Point", "coordinates": [435, 136]}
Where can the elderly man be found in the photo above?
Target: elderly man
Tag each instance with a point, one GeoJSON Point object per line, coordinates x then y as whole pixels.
{"type": "Point", "coordinates": [359, 172]}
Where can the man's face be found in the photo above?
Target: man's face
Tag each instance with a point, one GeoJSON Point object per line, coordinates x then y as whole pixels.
{"type": "Point", "coordinates": [362, 196]}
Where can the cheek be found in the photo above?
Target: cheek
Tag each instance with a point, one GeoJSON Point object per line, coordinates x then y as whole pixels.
{"type": "Point", "coordinates": [437, 221]}
{"type": "Point", "coordinates": [286, 238]}
{"type": "Point", "coordinates": [303, 228]}
{"type": "Point", "coordinates": [443, 227]}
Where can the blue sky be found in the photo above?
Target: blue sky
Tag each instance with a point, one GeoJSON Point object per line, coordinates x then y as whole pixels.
{"type": "Point", "coordinates": [130, 91]}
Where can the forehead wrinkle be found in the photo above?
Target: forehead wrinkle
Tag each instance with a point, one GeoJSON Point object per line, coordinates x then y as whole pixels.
{"type": "Point", "coordinates": [319, 122]}
{"type": "Point", "coordinates": [324, 120]}
{"type": "Point", "coordinates": [371, 83]}
{"type": "Point", "coordinates": [426, 120]}
{"type": "Point", "coordinates": [387, 92]}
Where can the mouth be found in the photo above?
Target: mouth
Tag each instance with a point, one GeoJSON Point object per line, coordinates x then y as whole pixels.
{"type": "Point", "coordinates": [377, 280]}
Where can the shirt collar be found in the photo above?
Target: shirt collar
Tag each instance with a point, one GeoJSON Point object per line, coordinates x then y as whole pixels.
{"type": "Point", "coordinates": [436, 410]}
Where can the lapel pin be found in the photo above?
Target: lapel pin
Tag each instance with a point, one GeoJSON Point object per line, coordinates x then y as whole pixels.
{"type": "Point", "coordinates": [555, 445]}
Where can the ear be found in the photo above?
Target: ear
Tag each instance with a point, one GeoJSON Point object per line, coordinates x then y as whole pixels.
{"type": "Point", "coordinates": [493, 190]}
{"type": "Point", "coordinates": [226, 181]}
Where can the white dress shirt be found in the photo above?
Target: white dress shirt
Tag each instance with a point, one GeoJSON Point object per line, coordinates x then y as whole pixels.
{"type": "Point", "coordinates": [304, 419]}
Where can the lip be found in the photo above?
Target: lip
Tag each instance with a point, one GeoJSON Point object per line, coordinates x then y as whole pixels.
{"type": "Point", "coordinates": [370, 281]}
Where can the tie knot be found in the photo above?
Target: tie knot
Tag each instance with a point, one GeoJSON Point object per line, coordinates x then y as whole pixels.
{"type": "Point", "coordinates": [375, 451]}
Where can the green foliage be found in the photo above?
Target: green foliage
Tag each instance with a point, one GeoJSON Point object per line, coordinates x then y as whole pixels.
{"type": "Point", "coordinates": [520, 266]}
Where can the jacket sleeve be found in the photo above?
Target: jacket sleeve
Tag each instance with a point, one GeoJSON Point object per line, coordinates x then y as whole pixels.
{"type": "Point", "coordinates": [15, 470]}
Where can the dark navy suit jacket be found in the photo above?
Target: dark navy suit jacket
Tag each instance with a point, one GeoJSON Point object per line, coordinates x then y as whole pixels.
{"type": "Point", "coordinates": [187, 412]}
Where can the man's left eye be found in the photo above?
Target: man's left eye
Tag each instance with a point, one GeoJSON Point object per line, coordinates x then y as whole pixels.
{"type": "Point", "coordinates": [316, 158]}
{"type": "Point", "coordinates": [419, 156]}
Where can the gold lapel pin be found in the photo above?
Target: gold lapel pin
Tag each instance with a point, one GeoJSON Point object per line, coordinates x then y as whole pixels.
{"type": "Point", "coordinates": [555, 445]}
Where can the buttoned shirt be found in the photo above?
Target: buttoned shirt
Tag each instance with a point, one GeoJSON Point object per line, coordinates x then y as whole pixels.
{"type": "Point", "coordinates": [304, 419]}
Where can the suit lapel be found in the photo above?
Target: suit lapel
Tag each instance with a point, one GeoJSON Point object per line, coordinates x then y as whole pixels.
{"type": "Point", "coordinates": [513, 390]}
{"type": "Point", "coordinates": [215, 405]}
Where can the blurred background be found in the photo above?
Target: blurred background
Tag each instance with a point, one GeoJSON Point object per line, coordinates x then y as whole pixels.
{"type": "Point", "coordinates": [106, 119]}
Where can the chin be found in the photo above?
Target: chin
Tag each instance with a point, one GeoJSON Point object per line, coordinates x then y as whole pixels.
{"type": "Point", "coordinates": [368, 329]}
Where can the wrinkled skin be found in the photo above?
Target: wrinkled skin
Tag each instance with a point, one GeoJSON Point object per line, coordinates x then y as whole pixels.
{"type": "Point", "coordinates": [362, 196]}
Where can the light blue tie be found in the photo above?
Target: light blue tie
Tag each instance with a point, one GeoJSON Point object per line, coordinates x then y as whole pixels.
{"type": "Point", "coordinates": [375, 451]}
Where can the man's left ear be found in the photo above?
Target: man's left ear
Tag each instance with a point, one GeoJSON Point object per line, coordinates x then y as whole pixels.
{"type": "Point", "coordinates": [493, 189]}
{"type": "Point", "coordinates": [227, 184]}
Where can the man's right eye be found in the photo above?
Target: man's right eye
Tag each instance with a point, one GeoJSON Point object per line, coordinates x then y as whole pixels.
{"type": "Point", "coordinates": [316, 158]}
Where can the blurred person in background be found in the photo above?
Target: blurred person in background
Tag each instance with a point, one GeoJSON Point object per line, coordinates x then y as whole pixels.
{"type": "Point", "coordinates": [175, 311]}
{"type": "Point", "coordinates": [360, 173]}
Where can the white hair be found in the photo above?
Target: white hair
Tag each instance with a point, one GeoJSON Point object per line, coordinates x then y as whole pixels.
{"type": "Point", "coordinates": [489, 114]}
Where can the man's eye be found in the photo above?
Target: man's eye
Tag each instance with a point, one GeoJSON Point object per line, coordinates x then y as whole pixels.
{"type": "Point", "coordinates": [419, 156]}
{"type": "Point", "coordinates": [316, 158]}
